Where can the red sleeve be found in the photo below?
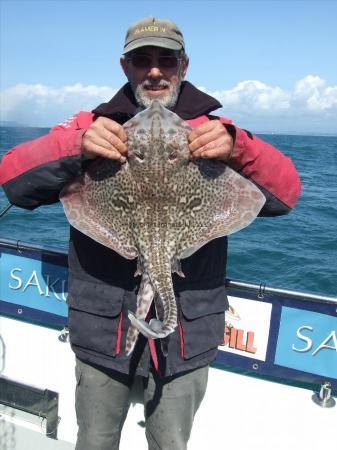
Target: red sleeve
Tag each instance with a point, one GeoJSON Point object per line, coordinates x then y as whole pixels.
{"type": "Point", "coordinates": [63, 140]}
{"type": "Point", "coordinates": [270, 169]}
{"type": "Point", "coordinates": [33, 173]}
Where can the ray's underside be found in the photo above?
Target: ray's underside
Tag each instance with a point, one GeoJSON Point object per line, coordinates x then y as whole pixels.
{"type": "Point", "coordinates": [159, 207]}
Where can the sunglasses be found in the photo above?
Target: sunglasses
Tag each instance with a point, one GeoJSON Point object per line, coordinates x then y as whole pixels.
{"type": "Point", "coordinates": [146, 62]}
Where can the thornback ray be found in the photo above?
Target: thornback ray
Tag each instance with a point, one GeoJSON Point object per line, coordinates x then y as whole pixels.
{"type": "Point", "coordinates": [160, 206]}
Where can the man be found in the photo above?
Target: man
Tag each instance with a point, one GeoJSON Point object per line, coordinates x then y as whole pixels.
{"type": "Point", "coordinates": [102, 286]}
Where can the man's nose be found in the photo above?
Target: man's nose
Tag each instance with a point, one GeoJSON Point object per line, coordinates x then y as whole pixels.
{"type": "Point", "coordinates": [154, 72]}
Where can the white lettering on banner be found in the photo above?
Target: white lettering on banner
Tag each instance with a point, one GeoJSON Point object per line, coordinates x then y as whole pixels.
{"type": "Point", "coordinates": [34, 282]}
{"type": "Point", "coordinates": [324, 344]}
{"type": "Point", "coordinates": [303, 338]}
{"type": "Point", "coordinates": [50, 286]}
{"type": "Point", "coordinates": [18, 279]}
{"type": "Point", "coordinates": [332, 336]}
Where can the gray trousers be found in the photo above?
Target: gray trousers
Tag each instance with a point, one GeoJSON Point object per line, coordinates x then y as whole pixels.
{"type": "Point", "coordinates": [103, 399]}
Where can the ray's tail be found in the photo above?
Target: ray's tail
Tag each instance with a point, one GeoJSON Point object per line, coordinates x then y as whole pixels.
{"type": "Point", "coordinates": [160, 277]}
{"type": "Point", "coordinates": [144, 300]}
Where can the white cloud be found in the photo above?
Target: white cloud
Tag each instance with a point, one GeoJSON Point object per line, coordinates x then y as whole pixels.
{"type": "Point", "coordinates": [310, 105]}
{"type": "Point", "coordinates": [315, 95]}
{"type": "Point", "coordinates": [253, 95]}
{"type": "Point", "coordinates": [40, 105]}
{"type": "Point", "coordinates": [310, 93]}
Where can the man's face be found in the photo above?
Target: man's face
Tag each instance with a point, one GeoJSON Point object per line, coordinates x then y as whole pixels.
{"type": "Point", "coordinates": [155, 74]}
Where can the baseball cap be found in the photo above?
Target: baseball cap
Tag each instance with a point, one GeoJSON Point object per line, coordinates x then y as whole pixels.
{"type": "Point", "coordinates": [155, 32]}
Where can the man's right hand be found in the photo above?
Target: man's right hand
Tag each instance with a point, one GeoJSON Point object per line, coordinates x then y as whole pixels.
{"type": "Point", "coordinates": [105, 138]}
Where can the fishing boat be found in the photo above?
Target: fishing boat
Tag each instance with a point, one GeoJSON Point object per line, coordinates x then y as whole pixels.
{"type": "Point", "coordinates": [271, 387]}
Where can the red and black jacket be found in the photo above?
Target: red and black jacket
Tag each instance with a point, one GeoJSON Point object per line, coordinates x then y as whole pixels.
{"type": "Point", "coordinates": [102, 286]}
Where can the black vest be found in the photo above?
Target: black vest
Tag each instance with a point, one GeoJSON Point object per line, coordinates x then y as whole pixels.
{"type": "Point", "coordinates": [102, 286]}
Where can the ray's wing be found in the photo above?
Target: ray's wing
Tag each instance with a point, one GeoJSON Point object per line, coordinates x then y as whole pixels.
{"type": "Point", "coordinates": [218, 202]}
{"type": "Point", "coordinates": [97, 205]}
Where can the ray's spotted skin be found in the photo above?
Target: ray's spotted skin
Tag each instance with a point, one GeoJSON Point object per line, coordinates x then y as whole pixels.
{"type": "Point", "coordinates": [160, 206]}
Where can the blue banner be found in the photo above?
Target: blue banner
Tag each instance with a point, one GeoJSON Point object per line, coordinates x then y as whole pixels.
{"type": "Point", "coordinates": [307, 341]}
{"type": "Point", "coordinates": [33, 283]}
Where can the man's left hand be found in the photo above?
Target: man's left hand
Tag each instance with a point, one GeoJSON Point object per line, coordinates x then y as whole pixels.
{"type": "Point", "coordinates": [211, 140]}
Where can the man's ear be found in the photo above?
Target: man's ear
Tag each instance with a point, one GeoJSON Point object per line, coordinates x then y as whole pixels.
{"type": "Point", "coordinates": [184, 67]}
{"type": "Point", "coordinates": [124, 66]}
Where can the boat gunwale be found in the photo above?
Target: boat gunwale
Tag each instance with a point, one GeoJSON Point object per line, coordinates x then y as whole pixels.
{"type": "Point", "coordinates": [262, 289]}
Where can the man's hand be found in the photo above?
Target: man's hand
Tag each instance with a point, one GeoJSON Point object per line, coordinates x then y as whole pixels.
{"type": "Point", "coordinates": [211, 140]}
{"type": "Point", "coordinates": [105, 138]}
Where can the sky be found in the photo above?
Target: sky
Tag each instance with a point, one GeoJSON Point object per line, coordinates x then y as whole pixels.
{"type": "Point", "coordinates": [272, 64]}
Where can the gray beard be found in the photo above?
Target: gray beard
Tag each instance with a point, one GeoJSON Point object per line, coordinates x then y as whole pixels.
{"type": "Point", "coordinates": [169, 100]}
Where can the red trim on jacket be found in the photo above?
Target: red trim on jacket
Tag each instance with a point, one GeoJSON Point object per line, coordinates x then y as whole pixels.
{"type": "Point", "coordinates": [119, 334]}
{"type": "Point", "coordinates": [153, 354]}
{"type": "Point", "coordinates": [182, 343]}
{"type": "Point", "coordinates": [63, 140]}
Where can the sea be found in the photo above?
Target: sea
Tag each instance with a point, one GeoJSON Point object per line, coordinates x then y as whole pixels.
{"type": "Point", "coordinates": [297, 251]}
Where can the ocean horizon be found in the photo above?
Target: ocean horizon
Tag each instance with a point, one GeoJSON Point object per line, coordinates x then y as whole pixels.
{"type": "Point", "coordinates": [10, 124]}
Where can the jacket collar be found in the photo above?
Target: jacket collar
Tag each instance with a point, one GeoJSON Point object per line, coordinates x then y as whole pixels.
{"type": "Point", "coordinates": [191, 103]}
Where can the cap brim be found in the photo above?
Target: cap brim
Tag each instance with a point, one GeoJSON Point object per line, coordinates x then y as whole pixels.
{"type": "Point", "coordinates": [154, 42]}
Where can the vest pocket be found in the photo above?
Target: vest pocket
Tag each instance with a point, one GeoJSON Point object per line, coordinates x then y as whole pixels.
{"type": "Point", "coordinates": [202, 320]}
{"type": "Point", "coordinates": [95, 316]}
